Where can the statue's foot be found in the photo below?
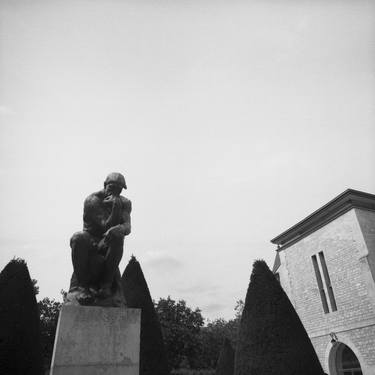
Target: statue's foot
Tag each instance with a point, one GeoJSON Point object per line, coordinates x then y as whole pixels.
{"type": "Point", "coordinates": [94, 292]}
{"type": "Point", "coordinates": [84, 297]}
{"type": "Point", "coordinates": [105, 296]}
{"type": "Point", "coordinates": [105, 292]}
{"type": "Point", "coordinates": [79, 296]}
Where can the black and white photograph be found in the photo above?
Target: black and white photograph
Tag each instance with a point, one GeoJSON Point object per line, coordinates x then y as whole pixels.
{"type": "Point", "coordinates": [187, 187]}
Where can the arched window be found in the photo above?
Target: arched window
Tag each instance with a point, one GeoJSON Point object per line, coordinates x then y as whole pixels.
{"type": "Point", "coordinates": [346, 361]}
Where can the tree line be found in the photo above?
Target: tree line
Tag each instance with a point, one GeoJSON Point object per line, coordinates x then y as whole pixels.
{"type": "Point", "coordinates": [265, 337]}
{"type": "Point", "coordinates": [189, 342]}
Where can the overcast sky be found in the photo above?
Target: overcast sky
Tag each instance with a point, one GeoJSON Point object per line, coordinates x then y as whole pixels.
{"type": "Point", "coordinates": [231, 121]}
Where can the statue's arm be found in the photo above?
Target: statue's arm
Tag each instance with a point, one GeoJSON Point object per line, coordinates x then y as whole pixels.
{"type": "Point", "coordinates": [115, 217]}
{"type": "Point", "coordinates": [91, 214]}
{"type": "Point", "coordinates": [123, 225]}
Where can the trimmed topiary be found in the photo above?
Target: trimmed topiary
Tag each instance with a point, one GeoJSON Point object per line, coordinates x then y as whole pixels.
{"type": "Point", "coordinates": [225, 363]}
{"type": "Point", "coordinates": [20, 348]}
{"type": "Point", "coordinates": [153, 358]}
{"type": "Point", "coordinates": [272, 339]}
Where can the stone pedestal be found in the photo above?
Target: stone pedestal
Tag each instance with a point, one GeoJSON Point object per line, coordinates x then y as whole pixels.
{"type": "Point", "coordinates": [93, 340]}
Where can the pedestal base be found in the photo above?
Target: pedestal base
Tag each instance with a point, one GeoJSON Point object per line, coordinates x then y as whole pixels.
{"type": "Point", "coordinates": [93, 340]}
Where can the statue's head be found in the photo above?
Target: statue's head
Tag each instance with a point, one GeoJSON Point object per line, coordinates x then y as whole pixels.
{"type": "Point", "coordinates": [114, 183]}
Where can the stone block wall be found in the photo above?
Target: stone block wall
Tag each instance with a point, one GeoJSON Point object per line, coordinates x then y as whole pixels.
{"type": "Point", "coordinates": [360, 340]}
{"type": "Point", "coordinates": [343, 242]}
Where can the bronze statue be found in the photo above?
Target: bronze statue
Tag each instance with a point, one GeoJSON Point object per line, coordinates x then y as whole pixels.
{"type": "Point", "coordinates": [98, 249]}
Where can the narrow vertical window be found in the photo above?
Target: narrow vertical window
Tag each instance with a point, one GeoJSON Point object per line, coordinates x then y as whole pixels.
{"type": "Point", "coordinates": [328, 281]}
{"type": "Point", "coordinates": [320, 284]}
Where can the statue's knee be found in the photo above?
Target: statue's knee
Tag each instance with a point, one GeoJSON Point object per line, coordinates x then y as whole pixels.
{"type": "Point", "coordinates": [116, 239]}
{"type": "Point", "coordinates": [78, 239]}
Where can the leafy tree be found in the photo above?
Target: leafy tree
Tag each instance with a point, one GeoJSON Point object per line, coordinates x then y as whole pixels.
{"type": "Point", "coordinates": [272, 339]}
{"type": "Point", "coordinates": [225, 363]}
{"type": "Point", "coordinates": [20, 349]}
{"type": "Point", "coordinates": [239, 309]}
{"type": "Point", "coordinates": [212, 337]}
{"type": "Point", "coordinates": [35, 287]}
{"type": "Point", "coordinates": [49, 310]}
{"type": "Point", "coordinates": [153, 358]}
{"type": "Point", "coordinates": [215, 332]}
{"type": "Point", "coordinates": [181, 330]}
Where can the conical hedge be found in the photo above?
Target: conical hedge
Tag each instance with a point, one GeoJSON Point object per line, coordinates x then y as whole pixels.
{"type": "Point", "coordinates": [20, 348]}
{"type": "Point", "coordinates": [272, 339]}
{"type": "Point", "coordinates": [225, 363]}
{"type": "Point", "coordinates": [153, 358]}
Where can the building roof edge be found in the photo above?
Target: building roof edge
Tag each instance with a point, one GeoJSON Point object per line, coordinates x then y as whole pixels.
{"type": "Point", "coordinates": [348, 199]}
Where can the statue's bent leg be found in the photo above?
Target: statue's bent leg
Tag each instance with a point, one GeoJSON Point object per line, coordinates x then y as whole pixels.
{"type": "Point", "coordinates": [112, 260]}
{"type": "Point", "coordinates": [82, 245]}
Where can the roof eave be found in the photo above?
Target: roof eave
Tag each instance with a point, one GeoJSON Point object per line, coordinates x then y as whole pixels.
{"type": "Point", "coordinates": [336, 207]}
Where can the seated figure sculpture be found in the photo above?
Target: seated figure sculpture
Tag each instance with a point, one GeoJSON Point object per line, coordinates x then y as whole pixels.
{"type": "Point", "coordinates": [98, 249]}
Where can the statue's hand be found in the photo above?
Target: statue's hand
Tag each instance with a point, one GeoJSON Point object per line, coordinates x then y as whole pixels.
{"type": "Point", "coordinates": [117, 203]}
{"type": "Point", "coordinates": [115, 200]}
{"type": "Point", "coordinates": [109, 199]}
{"type": "Point", "coordinates": [113, 232]}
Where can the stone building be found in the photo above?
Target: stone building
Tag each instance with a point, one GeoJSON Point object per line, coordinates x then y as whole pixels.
{"type": "Point", "coordinates": [326, 265]}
